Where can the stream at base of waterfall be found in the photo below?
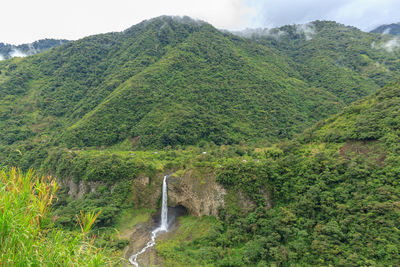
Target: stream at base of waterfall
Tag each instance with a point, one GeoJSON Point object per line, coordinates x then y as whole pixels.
{"type": "Point", "coordinates": [162, 228]}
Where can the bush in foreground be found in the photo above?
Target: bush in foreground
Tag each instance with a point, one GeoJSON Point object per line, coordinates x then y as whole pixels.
{"type": "Point", "coordinates": [27, 236]}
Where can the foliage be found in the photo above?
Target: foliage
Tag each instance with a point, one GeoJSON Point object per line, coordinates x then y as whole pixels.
{"type": "Point", "coordinates": [373, 118]}
{"type": "Point", "coordinates": [161, 83]}
{"type": "Point", "coordinates": [204, 99]}
{"type": "Point", "coordinates": [341, 59]}
{"type": "Point", "coordinates": [182, 250]}
{"type": "Point", "coordinates": [325, 208]}
{"type": "Point", "coordinates": [27, 236]}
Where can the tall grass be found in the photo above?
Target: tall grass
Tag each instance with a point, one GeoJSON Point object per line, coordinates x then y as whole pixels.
{"type": "Point", "coordinates": [27, 237]}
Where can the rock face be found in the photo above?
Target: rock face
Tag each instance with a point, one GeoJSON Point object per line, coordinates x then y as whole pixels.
{"type": "Point", "coordinates": [195, 190]}
{"type": "Point", "coordinates": [200, 194]}
{"type": "Point", "coordinates": [77, 190]}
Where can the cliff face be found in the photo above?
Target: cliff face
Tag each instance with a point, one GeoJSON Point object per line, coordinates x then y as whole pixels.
{"type": "Point", "coordinates": [200, 194]}
{"type": "Point", "coordinates": [78, 190]}
{"type": "Point", "coordinates": [195, 190]}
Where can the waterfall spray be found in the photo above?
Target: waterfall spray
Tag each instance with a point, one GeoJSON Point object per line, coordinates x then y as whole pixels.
{"type": "Point", "coordinates": [163, 225]}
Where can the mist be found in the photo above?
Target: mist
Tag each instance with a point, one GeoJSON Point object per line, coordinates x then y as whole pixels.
{"type": "Point", "coordinates": [307, 29]}
{"type": "Point", "coordinates": [17, 53]}
{"type": "Point", "coordinates": [260, 32]}
{"type": "Point", "coordinates": [389, 45]}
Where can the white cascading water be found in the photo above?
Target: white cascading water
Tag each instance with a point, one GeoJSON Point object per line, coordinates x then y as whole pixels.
{"type": "Point", "coordinates": [162, 228]}
{"type": "Point", "coordinates": [164, 206]}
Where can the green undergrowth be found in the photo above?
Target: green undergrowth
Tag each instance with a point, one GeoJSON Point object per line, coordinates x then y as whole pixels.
{"type": "Point", "coordinates": [117, 236]}
{"type": "Point", "coordinates": [130, 217]}
{"type": "Point", "coordinates": [27, 234]}
{"type": "Point", "coordinates": [183, 247]}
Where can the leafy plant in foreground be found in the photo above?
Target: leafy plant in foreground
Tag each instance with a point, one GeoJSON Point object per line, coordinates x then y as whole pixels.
{"type": "Point", "coordinates": [27, 235]}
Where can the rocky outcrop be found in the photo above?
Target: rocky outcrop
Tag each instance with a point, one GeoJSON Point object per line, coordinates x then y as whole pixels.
{"type": "Point", "coordinates": [77, 190]}
{"type": "Point", "coordinates": [195, 190]}
{"type": "Point", "coordinates": [199, 193]}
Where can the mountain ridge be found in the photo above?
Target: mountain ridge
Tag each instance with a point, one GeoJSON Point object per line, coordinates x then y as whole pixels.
{"type": "Point", "coordinates": [111, 114]}
{"type": "Point", "coordinates": [173, 81]}
{"type": "Point", "coordinates": [393, 28]}
{"type": "Point", "coordinates": [8, 50]}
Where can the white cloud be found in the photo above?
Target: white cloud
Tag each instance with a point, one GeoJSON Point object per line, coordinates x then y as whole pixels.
{"type": "Point", "coordinates": [365, 14]}
{"type": "Point", "coordinates": [307, 29]}
{"type": "Point", "coordinates": [389, 45]}
{"type": "Point", "coordinates": [73, 19]}
{"type": "Point", "coordinates": [260, 32]}
{"type": "Point", "coordinates": [17, 53]}
{"type": "Point", "coordinates": [1, 57]}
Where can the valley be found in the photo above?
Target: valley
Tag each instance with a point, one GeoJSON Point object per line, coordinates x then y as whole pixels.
{"type": "Point", "coordinates": [275, 147]}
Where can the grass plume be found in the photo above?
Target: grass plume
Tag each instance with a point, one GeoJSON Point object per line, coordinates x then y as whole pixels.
{"type": "Point", "coordinates": [27, 235]}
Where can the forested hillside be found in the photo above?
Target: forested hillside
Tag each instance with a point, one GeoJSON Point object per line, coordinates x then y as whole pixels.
{"type": "Point", "coordinates": [171, 82]}
{"type": "Point", "coordinates": [328, 197]}
{"type": "Point", "coordinates": [373, 118]}
{"type": "Point", "coordinates": [335, 200]}
{"type": "Point", "coordinates": [285, 141]}
{"type": "Point", "coordinates": [340, 59]}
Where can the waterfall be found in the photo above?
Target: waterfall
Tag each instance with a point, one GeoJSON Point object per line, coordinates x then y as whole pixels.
{"type": "Point", "coordinates": [164, 207]}
{"type": "Point", "coordinates": [162, 228]}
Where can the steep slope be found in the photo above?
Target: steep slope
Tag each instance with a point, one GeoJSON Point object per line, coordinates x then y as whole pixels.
{"type": "Point", "coordinates": [341, 59]}
{"type": "Point", "coordinates": [374, 118]}
{"type": "Point", "coordinates": [393, 29]}
{"type": "Point", "coordinates": [168, 81]}
{"type": "Point", "coordinates": [8, 51]}
{"type": "Point", "coordinates": [171, 82]}
{"type": "Point", "coordinates": [210, 87]}
{"type": "Point", "coordinates": [43, 93]}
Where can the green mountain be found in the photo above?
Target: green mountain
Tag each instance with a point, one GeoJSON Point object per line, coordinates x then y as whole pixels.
{"type": "Point", "coordinates": [393, 29]}
{"type": "Point", "coordinates": [171, 82]}
{"type": "Point", "coordinates": [340, 59]}
{"type": "Point", "coordinates": [90, 113]}
{"type": "Point", "coordinates": [175, 81]}
{"type": "Point", "coordinates": [164, 82]}
{"type": "Point", "coordinates": [334, 192]}
{"type": "Point", "coordinates": [8, 51]}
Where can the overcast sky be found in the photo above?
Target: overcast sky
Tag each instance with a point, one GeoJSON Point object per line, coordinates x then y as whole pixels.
{"type": "Point", "coordinates": [29, 20]}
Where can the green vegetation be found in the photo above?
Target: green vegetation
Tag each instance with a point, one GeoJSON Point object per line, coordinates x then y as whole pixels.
{"type": "Point", "coordinates": [334, 203]}
{"type": "Point", "coordinates": [180, 250]}
{"type": "Point", "coordinates": [27, 235]}
{"type": "Point", "coordinates": [110, 114]}
{"type": "Point", "coordinates": [373, 118]}
{"type": "Point", "coordinates": [340, 59]}
{"type": "Point", "coordinates": [169, 83]}
{"type": "Point", "coordinates": [131, 217]}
